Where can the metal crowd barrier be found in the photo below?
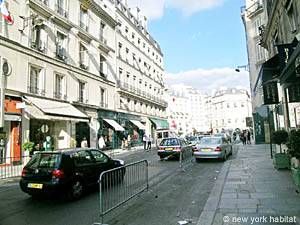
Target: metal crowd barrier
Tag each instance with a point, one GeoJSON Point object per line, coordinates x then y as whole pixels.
{"type": "Point", "coordinates": [119, 185]}
{"type": "Point", "coordinates": [12, 166]}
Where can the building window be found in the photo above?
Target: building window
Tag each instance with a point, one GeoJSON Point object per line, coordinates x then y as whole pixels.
{"type": "Point", "coordinates": [39, 38]}
{"type": "Point", "coordinates": [120, 50]}
{"type": "Point", "coordinates": [103, 102]}
{"type": "Point", "coordinates": [36, 85]}
{"type": "Point", "coordinates": [229, 121]}
{"type": "Point", "coordinates": [83, 57]}
{"type": "Point", "coordinates": [61, 43]}
{"type": "Point", "coordinates": [82, 92]}
{"type": "Point", "coordinates": [60, 7]}
{"type": "Point", "coordinates": [59, 87]}
{"type": "Point", "coordinates": [83, 18]}
{"type": "Point", "coordinates": [103, 66]}
{"type": "Point", "coordinates": [102, 32]}
{"type": "Point", "coordinates": [126, 29]}
{"type": "Point", "coordinates": [291, 14]}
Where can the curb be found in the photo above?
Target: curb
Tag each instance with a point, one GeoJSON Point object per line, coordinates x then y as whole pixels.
{"type": "Point", "coordinates": [208, 214]}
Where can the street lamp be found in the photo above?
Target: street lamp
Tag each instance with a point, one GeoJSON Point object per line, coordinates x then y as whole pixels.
{"type": "Point", "coordinates": [245, 67]}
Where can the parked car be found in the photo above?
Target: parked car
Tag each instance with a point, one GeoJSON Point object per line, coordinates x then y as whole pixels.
{"type": "Point", "coordinates": [213, 147]}
{"type": "Point", "coordinates": [171, 147]}
{"type": "Point", "coordinates": [67, 171]}
{"type": "Point", "coordinates": [224, 135]}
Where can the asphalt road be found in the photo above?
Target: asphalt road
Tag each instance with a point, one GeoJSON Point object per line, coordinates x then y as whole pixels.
{"type": "Point", "coordinates": [173, 195]}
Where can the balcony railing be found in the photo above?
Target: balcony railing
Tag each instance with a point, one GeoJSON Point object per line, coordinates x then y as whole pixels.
{"type": "Point", "coordinates": [82, 99]}
{"type": "Point", "coordinates": [38, 45]}
{"type": "Point", "coordinates": [46, 2]}
{"type": "Point", "coordinates": [103, 104]}
{"type": "Point", "coordinates": [59, 95]}
{"type": "Point", "coordinates": [36, 91]}
{"type": "Point", "coordinates": [61, 11]}
{"type": "Point", "coordinates": [84, 26]}
{"type": "Point", "coordinates": [130, 88]}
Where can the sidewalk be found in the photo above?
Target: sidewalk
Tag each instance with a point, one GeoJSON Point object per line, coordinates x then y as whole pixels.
{"type": "Point", "coordinates": [249, 190]}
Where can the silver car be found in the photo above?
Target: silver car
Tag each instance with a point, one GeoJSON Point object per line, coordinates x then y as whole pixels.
{"type": "Point", "coordinates": [213, 148]}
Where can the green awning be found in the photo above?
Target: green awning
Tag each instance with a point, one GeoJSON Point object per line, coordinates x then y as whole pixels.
{"type": "Point", "coordinates": [160, 123]}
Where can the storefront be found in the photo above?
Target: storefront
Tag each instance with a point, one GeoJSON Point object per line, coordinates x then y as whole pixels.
{"type": "Point", "coordinates": [133, 126]}
{"type": "Point", "coordinates": [11, 135]}
{"type": "Point", "coordinates": [158, 124]}
{"type": "Point", "coordinates": [55, 119]}
{"type": "Point", "coordinates": [110, 129]}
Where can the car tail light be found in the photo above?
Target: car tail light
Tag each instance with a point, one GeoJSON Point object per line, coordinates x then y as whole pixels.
{"type": "Point", "coordinates": [218, 149]}
{"type": "Point", "coordinates": [58, 174]}
{"type": "Point", "coordinates": [177, 148]}
{"type": "Point", "coordinates": [24, 171]}
{"type": "Point", "coordinates": [194, 148]}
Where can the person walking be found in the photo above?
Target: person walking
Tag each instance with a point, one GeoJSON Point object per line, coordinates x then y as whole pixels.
{"type": "Point", "coordinates": [248, 137]}
{"type": "Point", "coordinates": [84, 143]}
{"type": "Point", "coordinates": [149, 141]}
{"type": "Point", "coordinates": [129, 141]}
{"type": "Point", "coordinates": [145, 141]}
{"type": "Point", "coordinates": [101, 143]}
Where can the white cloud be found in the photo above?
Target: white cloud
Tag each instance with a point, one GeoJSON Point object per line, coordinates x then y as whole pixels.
{"type": "Point", "coordinates": [154, 9]}
{"type": "Point", "coordinates": [211, 79]}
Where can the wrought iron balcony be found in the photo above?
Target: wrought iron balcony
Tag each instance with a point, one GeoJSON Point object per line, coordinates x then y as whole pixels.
{"type": "Point", "coordinates": [59, 95]}
{"type": "Point", "coordinates": [35, 90]}
{"type": "Point", "coordinates": [61, 11]}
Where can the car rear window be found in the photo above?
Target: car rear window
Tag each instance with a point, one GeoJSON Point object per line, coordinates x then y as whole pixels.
{"type": "Point", "coordinates": [210, 141]}
{"type": "Point", "coordinates": [44, 160]}
{"type": "Point", "coordinates": [170, 142]}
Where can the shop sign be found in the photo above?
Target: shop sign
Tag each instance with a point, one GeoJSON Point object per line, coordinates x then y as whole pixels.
{"type": "Point", "coordinates": [294, 93]}
{"type": "Point", "coordinates": [270, 91]}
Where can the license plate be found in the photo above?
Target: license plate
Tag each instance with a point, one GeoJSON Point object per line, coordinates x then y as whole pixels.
{"type": "Point", "coordinates": [37, 186]}
{"type": "Point", "coordinates": [205, 149]}
{"type": "Point", "coordinates": [168, 149]}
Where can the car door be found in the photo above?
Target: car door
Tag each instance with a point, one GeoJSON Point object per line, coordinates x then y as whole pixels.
{"type": "Point", "coordinates": [101, 163]}
{"type": "Point", "coordinates": [84, 165]}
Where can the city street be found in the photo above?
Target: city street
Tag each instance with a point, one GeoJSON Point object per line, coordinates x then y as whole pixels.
{"type": "Point", "coordinates": [173, 195]}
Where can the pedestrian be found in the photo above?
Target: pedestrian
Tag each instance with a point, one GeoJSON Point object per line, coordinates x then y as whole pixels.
{"type": "Point", "coordinates": [248, 137]}
{"type": "Point", "coordinates": [145, 141]}
{"type": "Point", "coordinates": [84, 143]}
{"type": "Point", "coordinates": [149, 141]}
{"type": "Point", "coordinates": [101, 143]}
{"type": "Point", "coordinates": [243, 137]}
{"type": "Point", "coordinates": [129, 141]}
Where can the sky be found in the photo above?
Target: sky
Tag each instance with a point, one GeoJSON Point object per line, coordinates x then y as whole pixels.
{"type": "Point", "coordinates": [203, 41]}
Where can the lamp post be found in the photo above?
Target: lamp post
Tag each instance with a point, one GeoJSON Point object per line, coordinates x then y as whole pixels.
{"type": "Point", "coordinates": [245, 67]}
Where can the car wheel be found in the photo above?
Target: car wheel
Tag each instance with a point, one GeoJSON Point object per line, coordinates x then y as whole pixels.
{"type": "Point", "coordinates": [198, 160]}
{"type": "Point", "coordinates": [76, 190]}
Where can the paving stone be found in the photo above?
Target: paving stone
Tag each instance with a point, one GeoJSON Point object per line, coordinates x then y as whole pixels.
{"type": "Point", "coordinates": [229, 195]}
{"type": "Point", "coordinates": [242, 196]}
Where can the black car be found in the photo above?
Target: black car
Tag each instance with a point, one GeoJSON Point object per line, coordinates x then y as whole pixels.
{"type": "Point", "coordinates": [67, 171]}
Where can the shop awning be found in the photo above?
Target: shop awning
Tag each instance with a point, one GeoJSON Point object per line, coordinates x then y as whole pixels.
{"type": "Point", "coordinates": [160, 123]}
{"type": "Point", "coordinates": [270, 69]}
{"type": "Point", "coordinates": [114, 124]}
{"type": "Point", "coordinates": [138, 124]}
{"type": "Point", "coordinates": [46, 109]}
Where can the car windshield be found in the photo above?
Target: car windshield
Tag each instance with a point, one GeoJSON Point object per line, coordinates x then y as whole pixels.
{"type": "Point", "coordinates": [170, 142]}
{"type": "Point", "coordinates": [210, 141]}
{"type": "Point", "coordinates": [44, 160]}
{"type": "Point", "coordinates": [192, 138]}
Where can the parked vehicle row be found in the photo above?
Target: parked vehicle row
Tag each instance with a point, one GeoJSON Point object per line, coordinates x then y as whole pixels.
{"type": "Point", "coordinates": [203, 146]}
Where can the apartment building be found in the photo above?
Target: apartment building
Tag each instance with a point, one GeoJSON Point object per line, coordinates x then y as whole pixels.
{"type": "Point", "coordinates": [279, 35]}
{"type": "Point", "coordinates": [229, 109]}
{"type": "Point", "coordinates": [140, 86]}
{"type": "Point", "coordinates": [254, 17]}
{"type": "Point", "coordinates": [187, 110]}
{"type": "Point", "coordinates": [68, 79]}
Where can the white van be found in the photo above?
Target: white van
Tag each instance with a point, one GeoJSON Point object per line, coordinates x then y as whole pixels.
{"type": "Point", "coordinates": [161, 134]}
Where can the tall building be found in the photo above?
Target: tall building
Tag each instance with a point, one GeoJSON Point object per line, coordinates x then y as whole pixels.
{"type": "Point", "coordinates": [254, 17]}
{"type": "Point", "coordinates": [140, 85]}
{"type": "Point", "coordinates": [69, 80]}
{"type": "Point", "coordinates": [229, 109]}
{"type": "Point", "coordinates": [278, 77]}
{"type": "Point", "coordinates": [187, 110]}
